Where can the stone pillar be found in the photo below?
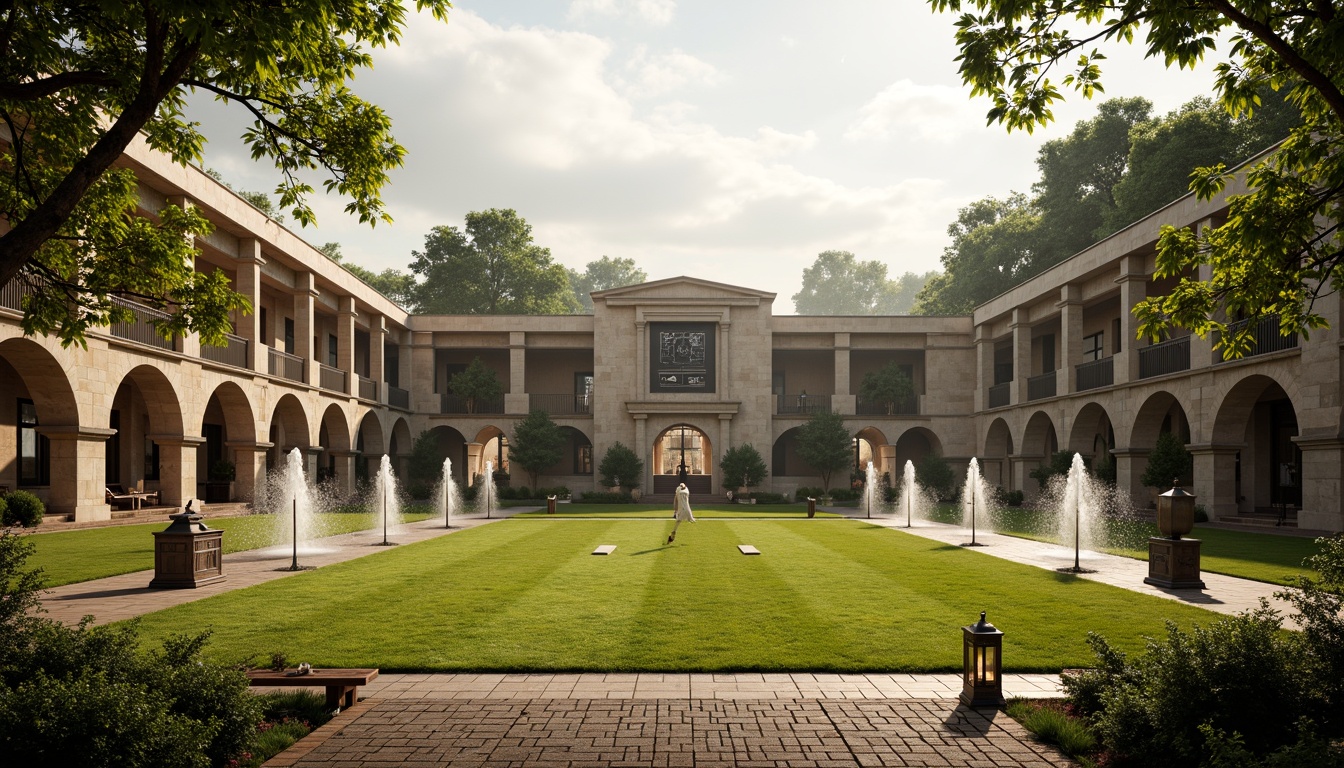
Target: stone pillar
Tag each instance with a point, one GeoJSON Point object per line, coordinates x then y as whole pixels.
{"type": "Point", "coordinates": [345, 472]}
{"type": "Point", "coordinates": [725, 437]}
{"type": "Point", "coordinates": [1129, 468]}
{"type": "Point", "coordinates": [1020, 467]}
{"type": "Point", "coordinates": [377, 341]}
{"type": "Point", "coordinates": [310, 459]}
{"type": "Point", "coordinates": [1021, 355]}
{"type": "Point", "coordinates": [1322, 481]}
{"type": "Point", "coordinates": [406, 364]}
{"type": "Point", "coordinates": [843, 401]}
{"type": "Point", "coordinates": [1133, 282]}
{"type": "Point", "coordinates": [474, 466]}
{"type": "Point", "coordinates": [422, 387]}
{"type": "Point", "coordinates": [724, 382]}
{"type": "Point", "coordinates": [1216, 478]}
{"type": "Point", "coordinates": [77, 461]}
{"type": "Point", "coordinates": [345, 344]}
{"type": "Point", "coordinates": [1201, 350]}
{"type": "Point", "coordinates": [304, 294]}
{"type": "Point", "coordinates": [177, 469]}
{"type": "Point", "coordinates": [641, 363]}
{"type": "Point", "coordinates": [984, 367]}
{"type": "Point", "coordinates": [644, 450]}
{"type": "Point", "coordinates": [1070, 306]}
{"type": "Point", "coordinates": [888, 454]}
{"type": "Point", "coordinates": [249, 480]}
{"type": "Point", "coordinates": [516, 400]}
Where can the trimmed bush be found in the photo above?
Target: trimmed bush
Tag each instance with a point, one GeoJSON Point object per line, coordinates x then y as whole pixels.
{"type": "Point", "coordinates": [763, 497]}
{"type": "Point", "coordinates": [935, 474]}
{"type": "Point", "coordinates": [607, 497]}
{"type": "Point", "coordinates": [23, 508]}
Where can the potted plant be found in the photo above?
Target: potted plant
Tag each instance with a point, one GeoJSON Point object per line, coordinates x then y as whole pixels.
{"type": "Point", "coordinates": [219, 488]}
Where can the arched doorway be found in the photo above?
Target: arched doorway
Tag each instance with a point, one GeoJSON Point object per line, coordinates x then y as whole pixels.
{"type": "Point", "coordinates": [223, 473]}
{"type": "Point", "coordinates": [1265, 475]}
{"type": "Point", "coordinates": [998, 447]}
{"type": "Point", "coordinates": [869, 443]}
{"type": "Point", "coordinates": [149, 450]}
{"type": "Point", "coordinates": [683, 453]}
{"type": "Point", "coordinates": [38, 392]}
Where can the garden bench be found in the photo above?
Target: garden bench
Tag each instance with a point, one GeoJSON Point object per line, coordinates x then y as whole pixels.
{"type": "Point", "coordinates": [340, 683]}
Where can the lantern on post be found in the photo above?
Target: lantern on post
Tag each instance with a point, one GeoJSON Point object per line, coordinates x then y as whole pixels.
{"type": "Point", "coordinates": [1173, 562]}
{"type": "Point", "coordinates": [982, 661]}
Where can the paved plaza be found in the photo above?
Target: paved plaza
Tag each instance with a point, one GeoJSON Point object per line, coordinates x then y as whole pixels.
{"type": "Point", "coordinates": [596, 719]}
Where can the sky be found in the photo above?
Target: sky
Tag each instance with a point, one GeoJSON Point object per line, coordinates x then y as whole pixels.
{"type": "Point", "coordinates": [731, 140]}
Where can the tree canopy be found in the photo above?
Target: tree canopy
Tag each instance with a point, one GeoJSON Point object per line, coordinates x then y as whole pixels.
{"type": "Point", "coordinates": [742, 467]}
{"type": "Point", "coordinates": [491, 268]}
{"type": "Point", "coordinates": [621, 468]}
{"type": "Point", "coordinates": [537, 444]}
{"type": "Point", "coordinates": [889, 385]}
{"type": "Point", "coordinates": [838, 283]}
{"type": "Point", "coordinates": [81, 80]}
{"type": "Point", "coordinates": [475, 384]}
{"type": "Point", "coordinates": [601, 275]}
{"type": "Point", "coordinates": [825, 445]}
{"type": "Point", "coordinates": [393, 283]}
{"type": "Point", "coordinates": [1279, 248]}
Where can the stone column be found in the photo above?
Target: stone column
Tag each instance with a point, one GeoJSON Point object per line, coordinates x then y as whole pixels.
{"type": "Point", "coordinates": [1070, 306]}
{"type": "Point", "coordinates": [641, 363]}
{"type": "Point", "coordinates": [1133, 282]}
{"type": "Point", "coordinates": [1020, 467]}
{"type": "Point", "coordinates": [377, 340]}
{"type": "Point", "coordinates": [407, 365]}
{"type": "Point", "coordinates": [77, 460]}
{"type": "Point", "coordinates": [304, 295]}
{"type": "Point", "coordinates": [422, 387]}
{"type": "Point", "coordinates": [843, 401]}
{"type": "Point", "coordinates": [644, 450]}
{"type": "Point", "coordinates": [984, 367]}
{"type": "Point", "coordinates": [345, 344]}
{"type": "Point", "coordinates": [724, 383]}
{"type": "Point", "coordinates": [1130, 464]}
{"type": "Point", "coordinates": [249, 480]}
{"type": "Point", "coordinates": [1215, 478]}
{"type": "Point", "coordinates": [1201, 350]}
{"type": "Point", "coordinates": [888, 454]}
{"type": "Point", "coordinates": [345, 472]}
{"type": "Point", "coordinates": [177, 469]}
{"type": "Point", "coordinates": [1322, 480]}
{"type": "Point", "coordinates": [516, 401]}
{"type": "Point", "coordinates": [1021, 355]}
{"type": "Point", "coordinates": [474, 466]}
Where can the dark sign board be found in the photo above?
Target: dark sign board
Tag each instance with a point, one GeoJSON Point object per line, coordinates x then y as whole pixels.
{"type": "Point", "coordinates": [681, 357]}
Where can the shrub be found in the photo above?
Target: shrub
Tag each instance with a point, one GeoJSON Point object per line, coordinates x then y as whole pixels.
{"type": "Point", "coordinates": [762, 497]}
{"type": "Point", "coordinates": [742, 466]}
{"type": "Point", "coordinates": [418, 489]}
{"type": "Point", "coordinates": [1059, 465]}
{"type": "Point", "coordinates": [620, 465]}
{"type": "Point", "coordinates": [1007, 498]}
{"type": "Point", "coordinates": [1167, 461]}
{"type": "Point", "coordinates": [605, 497]}
{"type": "Point", "coordinates": [935, 474]}
{"type": "Point", "coordinates": [803, 493]}
{"type": "Point", "coordinates": [298, 704]}
{"type": "Point", "coordinates": [4, 511]}
{"type": "Point", "coordinates": [845, 494]}
{"type": "Point", "coordinates": [23, 508]}
{"type": "Point", "coordinates": [1201, 514]}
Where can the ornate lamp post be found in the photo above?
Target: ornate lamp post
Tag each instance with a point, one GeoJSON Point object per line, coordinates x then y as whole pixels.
{"type": "Point", "coordinates": [982, 662]}
{"type": "Point", "coordinates": [1173, 562]}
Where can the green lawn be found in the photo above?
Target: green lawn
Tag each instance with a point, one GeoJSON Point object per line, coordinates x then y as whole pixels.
{"type": "Point", "coordinates": [66, 557]}
{"type": "Point", "coordinates": [527, 595]}
{"type": "Point", "coordinates": [708, 511]}
{"type": "Point", "coordinates": [1260, 556]}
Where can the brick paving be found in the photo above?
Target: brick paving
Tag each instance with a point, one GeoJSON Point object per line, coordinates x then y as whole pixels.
{"type": "Point", "coordinates": [669, 732]}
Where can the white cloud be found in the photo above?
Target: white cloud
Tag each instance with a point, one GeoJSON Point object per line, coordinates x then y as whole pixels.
{"type": "Point", "coordinates": [926, 112]}
{"type": "Point", "coordinates": [650, 11]}
{"type": "Point", "coordinates": [657, 74]}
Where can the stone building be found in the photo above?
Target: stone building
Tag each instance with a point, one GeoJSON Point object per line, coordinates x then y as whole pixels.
{"type": "Point", "coordinates": [678, 370]}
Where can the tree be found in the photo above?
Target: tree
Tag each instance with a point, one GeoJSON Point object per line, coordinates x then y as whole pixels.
{"type": "Point", "coordinates": [491, 268]}
{"type": "Point", "coordinates": [933, 472]}
{"type": "Point", "coordinates": [1167, 462]}
{"type": "Point", "coordinates": [475, 384]}
{"type": "Point", "coordinates": [82, 80]}
{"type": "Point", "coordinates": [825, 445]}
{"type": "Point", "coordinates": [889, 385]}
{"type": "Point", "coordinates": [993, 244]}
{"type": "Point", "coordinates": [537, 444]}
{"type": "Point", "coordinates": [392, 283]}
{"type": "Point", "coordinates": [1278, 250]}
{"type": "Point", "coordinates": [906, 288]}
{"type": "Point", "coordinates": [742, 467]}
{"type": "Point", "coordinates": [601, 275]}
{"type": "Point", "coordinates": [425, 464]}
{"type": "Point", "coordinates": [838, 284]}
{"type": "Point", "coordinates": [621, 468]}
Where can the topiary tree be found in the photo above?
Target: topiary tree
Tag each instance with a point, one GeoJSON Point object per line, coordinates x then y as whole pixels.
{"type": "Point", "coordinates": [888, 385]}
{"type": "Point", "coordinates": [1167, 462]}
{"type": "Point", "coordinates": [620, 467]}
{"type": "Point", "coordinates": [537, 444]}
{"type": "Point", "coordinates": [475, 384]}
{"type": "Point", "coordinates": [933, 472]}
{"type": "Point", "coordinates": [742, 466]}
{"type": "Point", "coordinates": [825, 445]}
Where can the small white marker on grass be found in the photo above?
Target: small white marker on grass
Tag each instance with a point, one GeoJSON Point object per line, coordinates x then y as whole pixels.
{"type": "Point", "coordinates": [605, 549]}
{"type": "Point", "coordinates": [747, 549]}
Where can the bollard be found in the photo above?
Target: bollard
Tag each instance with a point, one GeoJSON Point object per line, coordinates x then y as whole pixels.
{"type": "Point", "coordinates": [811, 507]}
{"type": "Point", "coordinates": [550, 505]}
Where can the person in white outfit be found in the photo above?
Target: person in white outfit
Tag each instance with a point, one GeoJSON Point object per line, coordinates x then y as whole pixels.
{"type": "Point", "coordinates": [681, 509]}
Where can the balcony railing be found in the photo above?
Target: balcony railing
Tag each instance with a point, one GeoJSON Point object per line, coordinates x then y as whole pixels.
{"type": "Point", "coordinates": [1003, 373]}
{"type": "Point", "coordinates": [562, 405]}
{"type": "Point", "coordinates": [141, 328]}
{"type": "Point", "coordinates": [234, 351]}
{"type": "Point", "coordinates": [1000, 394]}
{"type": "Point", "coordinates": [907, 407]}
{"type": "Point", "coordinates": [804, 403]}
{"type": "Point", "coordinates": [400, 398]}
{"type": "Point", "coordinates": [1267, 337]}
{"type": "Point", "coordinates": [368, 388]}
{"type": "Point", "coordinates": [1095, 374]}
{"type": "Point", "coordinates": [1042, 386]}
{"type": "Point", "coordinates": [286, 365]}
{"type": "Point", "coordinates": [1167, 357]}
{"type": "Point", "coordinates": [11, 295]}
{"type": "Point", "coordinates": [453, 404]}
{"type": "Point", "coordinates": [330, 378]}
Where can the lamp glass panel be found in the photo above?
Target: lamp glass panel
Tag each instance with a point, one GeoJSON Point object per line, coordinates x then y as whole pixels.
{"type": "Point", "coordinates": [991, 665]}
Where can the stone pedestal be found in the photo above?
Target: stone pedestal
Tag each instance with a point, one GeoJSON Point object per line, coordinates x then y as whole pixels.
{"type": "Point", "coordinates": [1173, 563]}
{"type": "Point", "coordinates": [187, 554]}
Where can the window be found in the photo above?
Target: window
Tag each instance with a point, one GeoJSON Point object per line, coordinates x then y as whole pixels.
{"type": "Point", "coordinates": [583, 391]}
{"type": "Point", "coordinates": [333, 351]}
{"type": "Point", "coordinates": [1048, 353]}
{"type": "Point", "coordinates": [1115, 336]}
{"type": "Point", "coordinates": [34, 449]}
{"type": "Point", "coordinates": [265, 329]}
{"type": "Point", "coordinates": [392, 366]}
{"type": "Point", "coordinates": [583, 458]}
{"type": "Point", "coordinates": [289, 335]}
{"type": "Point", "coordinates": [1094, 347]}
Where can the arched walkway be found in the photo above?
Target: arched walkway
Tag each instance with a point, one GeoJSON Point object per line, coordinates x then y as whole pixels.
{"type": "Point", "coordinates": [683, 451]}
{"type": "Point", "coordinates": [336, 459]}
{"type": "Point", "coordinates": [1161, 412]}
{"type": "Point", "coordinates": [871, 445]}
{"type": "Point", "coordinates": [50, 455]}
{"type": "Point", "coordinates": [1039, 443]}
{"type": "Point", "coordinates": [784, 458]}
{"type": "Point", "coordinates": [150, 449]}
{"type": "Point", "coordinates": [491, 445]}
{"type": "Point", "coordinates": [913, 445]}
{"type": "Point", "coordinates": [399, 446]}
{"type": "Point", "coordinates": [998, 447]}
{"type": "Point", "coordinates": [226, 466]}
{"type": "Point", "coordinates": [289, 430]}
{"type": "Point", "coordinates": [1256, 465]}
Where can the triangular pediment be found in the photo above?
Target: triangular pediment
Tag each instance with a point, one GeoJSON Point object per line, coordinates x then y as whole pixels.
{"type": "Point", "coordinates": [683, 287]}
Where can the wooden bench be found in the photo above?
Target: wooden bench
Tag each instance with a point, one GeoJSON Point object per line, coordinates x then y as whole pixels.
{"type": "Point", "coordinates": [340, 683]}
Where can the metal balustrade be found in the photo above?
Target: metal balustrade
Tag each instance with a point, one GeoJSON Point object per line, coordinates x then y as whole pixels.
{"type": "Point", "coordinates": [907, 407]}
{"type": "Point", "coordinates": [141, 328]}
{"type": "Point", "coordinates": [368, 389]}
{"type": "Point", "coordinates": [562, 405]}
{"type": "Point", "coordinates": [1166, 357]}
{"type": "Point", "coordinates": [804, 404]}
{"type": "Point", "coordinates": [330, 378]}
{"type": "Point", "coordinates": [286, 365]}
{"type": "Point", "coordinates": [233, 352]}
{"type": "Point", "coordinates": [1095, 374]}
{"type": "Point", "coordinates": [1043, 386]}
{"type": "Point", "coordinates": [449, 403]}
{"type": "Point", "coordinates": [11, 295]}
{"type": "Point", "coordinates": [1000, 394]}
{"type": "Point", "coordinates": [1267, 338]}
{"type": "Point", "coordinates": [400, 398]}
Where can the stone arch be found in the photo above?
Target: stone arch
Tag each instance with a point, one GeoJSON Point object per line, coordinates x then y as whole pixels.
{"type": "Point", "coordinates": [1161, 411]}
{"type": "Point", "coordinates": [449, 443]}
{"type": "Point", "coordinates": [1092, 433]}
{"type": "Point", "coordinates": [998, 447]}
{"type": "Point", "coordinates": [784, 458]}
{"type": "Point", "coordinates": [1039, 439]}
{"type": "Point", "coordinates": [150, 447]}
{"type": "Point", "coordinates": [871, 445]}
{"type": "Point", "coordinates": [1257, 465]}
{"type": "Point", "coordinates": [333, 438]}
{"type": "Point", "coordinates": [676, 441]}
{"type": "Point", "coordinates": [491, 444]}
{"type": "Point", "coordinates": [161, 400]}
{"type": "Point", "coordinates": [288, 430]}
{"type": "Point", "coordinates": [916, 443]}
{"type": "Point", "coordinates": [369, 446]}
{"type": "Point", "coordinates": [399, 445]}
{"type": "Point", "coordinates": [60, 463]}
{"type": "Point", "coordinates": [45, 380]}
{"type": "Point", "coordinates": [229, 433]}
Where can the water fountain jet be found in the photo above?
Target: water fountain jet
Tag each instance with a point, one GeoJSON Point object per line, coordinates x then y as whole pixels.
{"type": "Point", "coordinates": [385, 488]}
{"type": "Point", "coordinates": [448, 497]}
{"type": "Point", "coordinates": [973, 499]}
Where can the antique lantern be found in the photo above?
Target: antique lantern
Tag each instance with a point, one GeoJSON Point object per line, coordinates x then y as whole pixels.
{"type": "Point", "coordinates": [982, 649]}
{"type": "Point", "coordinates": [1173, 562]}
{"type": "Point", "coordinates": [1175, 512]}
